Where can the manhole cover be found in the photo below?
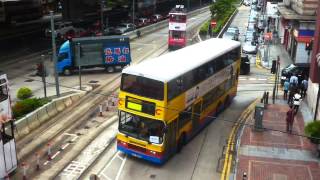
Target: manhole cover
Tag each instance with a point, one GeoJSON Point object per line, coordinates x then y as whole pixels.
{"type": "Point", "coordinates": [29, 80]}
{"type": "Point", "coordinates": [152, 176]}
{"type": "Point", "coordinates": [93, 81]}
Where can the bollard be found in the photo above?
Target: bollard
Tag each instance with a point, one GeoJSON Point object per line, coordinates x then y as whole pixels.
{"type": "Point", "coordinates": [107, 105]}
{"type": "Point", "coordinates": [49, 152]}
{"type": "Point", "coordinates": [38, 161]}
{"type": "Point", "coordinates": [24, 166]}
{"type": "Point", "coordinates": [100, 110]}
{"type": "Point", "coordinates": [267, 97]}
{"type": "Point", "coordinates": [244, 176]}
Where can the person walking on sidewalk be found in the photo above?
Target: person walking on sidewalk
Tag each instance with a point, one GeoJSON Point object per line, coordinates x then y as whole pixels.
{"type": "Point", "coordinates": [304, 87]}
{"type": "Point", "coordinates": [292, 91]}
{"type": "Point", "coordinates": [293, 80]}
{"type": "Point", "coordinates": [289, 120]}
{"type": "Point", "coordinates": [286, 86]}
{"type": "Point", "coordinates": [296, 102]}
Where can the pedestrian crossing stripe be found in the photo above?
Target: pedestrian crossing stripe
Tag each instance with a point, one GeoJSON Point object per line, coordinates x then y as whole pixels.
{"type": "Point", "coordinates": [255, 79]}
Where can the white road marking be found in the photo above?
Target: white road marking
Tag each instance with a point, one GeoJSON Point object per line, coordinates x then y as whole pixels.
{"type": "Point", "coordinates": [139, 49]}
{"type": "Point", "coordinates": [121, 167]}
{"type": "Point", "coordinates": [56, 154]}
{"type": "Point", "coordinates": [65, 146]}
{"type": "Point", "coordinates": [109, 163]}
{"type": "Point", "coordinates": [45, 163]}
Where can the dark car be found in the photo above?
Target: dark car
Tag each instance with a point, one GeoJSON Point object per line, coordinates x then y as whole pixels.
{"type": "Point", "coordinates": [300, 70]}
{"type": "Point", "coordinates": [244, 65]}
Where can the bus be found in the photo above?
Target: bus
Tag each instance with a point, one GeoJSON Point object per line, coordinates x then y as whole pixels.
{"type": "Point", "coordinates": [164, 102]}
{"type": "Point", "coordinates": [19, 10]}
{"type": "Point", "coordinates": [177, 28]}
{"type": "Point", "coordinates": [8, 154]}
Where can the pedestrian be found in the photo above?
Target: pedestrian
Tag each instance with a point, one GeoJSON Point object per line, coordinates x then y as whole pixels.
{"type": "Point", "coordinates": [292, 91]}
{"type": "Point", "coordinates": [294, 80]}
{"type": "Point", "coordinates": [289, 120]}
{"type": "Point", "coordinates": [286, 86]}
{"type": "Point", "coordinates": [304, 87]}
{"type": "Point", "coordinates": [296, 102]}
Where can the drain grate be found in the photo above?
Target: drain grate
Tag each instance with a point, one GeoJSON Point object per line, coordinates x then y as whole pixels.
{"type": "Point", "coordinates": [29, 80]}
{"type": "Point", "coordinates": [93, 81]}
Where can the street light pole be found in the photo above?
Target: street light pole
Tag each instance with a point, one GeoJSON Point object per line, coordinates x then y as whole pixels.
{"type": "Point", "coordinates": [318, 96]}
{"type": "Point", "coordinates": [132, 11]}
{"type": "Point", "coordinates": [54, 53]}
{"type": "Point", "coordinates": [101, 14]}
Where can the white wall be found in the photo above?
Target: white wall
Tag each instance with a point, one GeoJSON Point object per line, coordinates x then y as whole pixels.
{"type": "Point", "coordinates": [302, 54]}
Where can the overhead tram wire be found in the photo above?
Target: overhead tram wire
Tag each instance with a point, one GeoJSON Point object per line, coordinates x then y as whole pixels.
{"type": "Point", "coordinates": [210, 117]}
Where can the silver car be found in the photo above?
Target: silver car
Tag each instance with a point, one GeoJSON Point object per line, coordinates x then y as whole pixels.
{"type": "Point", "coordinates": [124, 27]}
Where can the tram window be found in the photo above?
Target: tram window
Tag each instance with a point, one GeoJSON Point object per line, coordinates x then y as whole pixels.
{"type": "Point", "coordinates": [175, 87]}
{"type": "Point", "coordinates": [185, 116]}
{"type": "Point", "coordinates": [188, 79]}
{"type": "Point", "coordinates": [3, 91]}
{"type": "Point", "coordinates": [6, 132]}
{"type": "Point", "coordinates": [219, 63]}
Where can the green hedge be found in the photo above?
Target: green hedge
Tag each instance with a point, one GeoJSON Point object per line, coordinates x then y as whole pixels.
{"type": "Point", "coordinates": [26, 106]}
{"type": "Point", "coordinates": [24, 93]}
{"type": "Point", "coordinates": [220, 23]}
{"type": "Point", "coordinates": [312, 129]}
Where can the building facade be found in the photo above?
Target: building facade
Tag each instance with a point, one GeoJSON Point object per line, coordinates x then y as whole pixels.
{"type": "Point", "coordinates": [314, 78]}
{"type": "Point", "coordinates": [300, 24]}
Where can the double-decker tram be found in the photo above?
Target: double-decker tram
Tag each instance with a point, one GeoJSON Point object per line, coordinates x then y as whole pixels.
{"type": "Point", "coordinates": [177, 28]}
{"type": "Point", "coordinates": [8, 155]}
{"type": "Point", "coordinates": [165, 101]}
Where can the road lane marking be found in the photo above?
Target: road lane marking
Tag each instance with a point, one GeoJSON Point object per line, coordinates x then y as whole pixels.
{"type": "Point", "coordinates": [56, 154]}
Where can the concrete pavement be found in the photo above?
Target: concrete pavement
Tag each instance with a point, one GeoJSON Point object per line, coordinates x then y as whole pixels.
{"type": "Point", "coordinates": [274, 153]}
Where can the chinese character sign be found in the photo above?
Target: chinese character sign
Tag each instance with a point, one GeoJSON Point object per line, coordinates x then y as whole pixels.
{"type": "Point", "coordinates": [116, 54]}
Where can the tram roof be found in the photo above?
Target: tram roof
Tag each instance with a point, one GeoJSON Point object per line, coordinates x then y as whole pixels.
{"type": "Point", "coordinates": [171, 65]}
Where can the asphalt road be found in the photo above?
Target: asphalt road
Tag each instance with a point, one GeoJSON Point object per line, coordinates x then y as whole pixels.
{"type": "Point", "coordinates": [200, 157]}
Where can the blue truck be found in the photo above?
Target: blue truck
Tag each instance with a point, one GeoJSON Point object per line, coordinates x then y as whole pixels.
{"type": "Point", "coordinates": [110, 52]}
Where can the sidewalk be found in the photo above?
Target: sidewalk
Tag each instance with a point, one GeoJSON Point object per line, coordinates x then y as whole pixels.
{"type": "Point", "coordinates": [275, 154]}
{"type": "Point", "coordinates": [275, 50]}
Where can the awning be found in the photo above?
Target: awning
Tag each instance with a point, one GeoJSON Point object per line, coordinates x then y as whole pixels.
{"type": "Point", "coordinates": [303, 39]}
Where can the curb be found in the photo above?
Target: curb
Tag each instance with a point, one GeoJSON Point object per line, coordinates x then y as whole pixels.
{"type": "Point", "coordinates": [232, 139]}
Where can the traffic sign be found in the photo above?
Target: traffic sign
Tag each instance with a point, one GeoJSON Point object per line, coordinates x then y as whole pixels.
{"type": "Point", "coordinates": [213, 23]}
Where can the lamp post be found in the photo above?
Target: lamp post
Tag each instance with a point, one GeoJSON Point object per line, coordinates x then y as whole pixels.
{"type": "Point", "coordinates": [132, 11]}
{"type": "Point", "coordinates": [318, 95]}
{"type": "Point", "coordinates": [101, 14]}
{"type": "Point", "coordinates": [54, 53]}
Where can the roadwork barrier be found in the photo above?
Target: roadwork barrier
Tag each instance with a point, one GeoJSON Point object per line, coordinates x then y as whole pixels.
{"type": "Point", "coordinates": [41, 115]}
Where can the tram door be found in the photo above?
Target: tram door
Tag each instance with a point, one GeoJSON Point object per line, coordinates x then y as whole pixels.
{"type": "Point", "coordinates": [8, 154]}
{"type": "Point", "coordinates": [196, 110]}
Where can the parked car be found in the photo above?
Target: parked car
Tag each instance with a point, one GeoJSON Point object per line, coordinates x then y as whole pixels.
{"type": "Point", "coordinates": [156, 18]}
{"type": "Point", "coordinates": [244, 65]}
{"type": "Point", "coordinates": [124, 27]}
{"type": "Point", "coordinates": [61, 29]}
{"type": "Point", "coordinates": [249, 48]}
{"type": "Point", "coordinates": [109, 31]}
{"type": "Point", "coordinates": [232, 33]}
{"type": "Point", "coordinates": [143, 22]}
{"type": "Point", "coordinates": [299, 69]}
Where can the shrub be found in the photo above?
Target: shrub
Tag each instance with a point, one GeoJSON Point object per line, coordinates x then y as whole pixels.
{"type": "Point", "coordinates": [312, 130]}
{"type": "Point", "coordinates": [26, 106]}
{"type": "Point", "coordinates": [24, 93]}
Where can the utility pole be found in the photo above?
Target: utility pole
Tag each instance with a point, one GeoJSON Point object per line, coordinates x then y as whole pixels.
{"type": "Point", "coordinates": [132, 11]}
{"type": "Point", "coordinates": [101, 15]}
{"type": "Point", "coordinates": [43, 75]}
{"type": "Point", "coordinates": [54, 54]}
